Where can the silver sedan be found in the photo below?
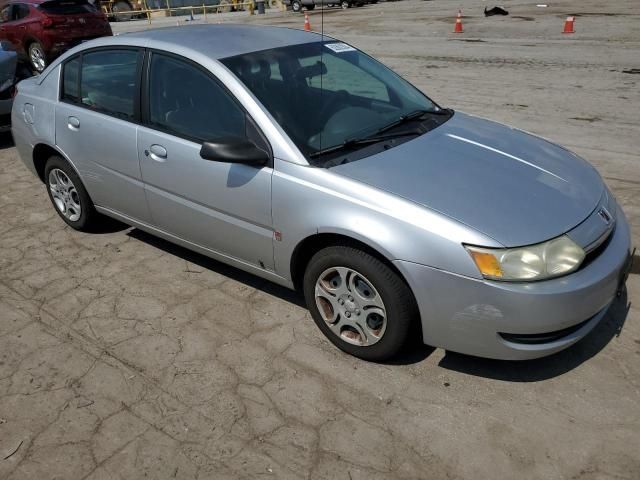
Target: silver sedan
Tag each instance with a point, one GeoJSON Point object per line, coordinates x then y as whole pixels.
{"type": "Point", "coordinates": [299, 158]}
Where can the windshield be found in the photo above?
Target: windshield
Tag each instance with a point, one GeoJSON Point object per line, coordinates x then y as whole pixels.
{"type": "Point", "coordinates": [328, 94]}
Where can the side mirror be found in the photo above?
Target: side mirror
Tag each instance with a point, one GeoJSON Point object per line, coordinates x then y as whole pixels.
{"type": "Point", "coordinates": [234, 150]}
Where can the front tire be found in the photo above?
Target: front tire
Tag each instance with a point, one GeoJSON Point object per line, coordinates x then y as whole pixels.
{"type": "Point", "coordinates": [68, 195]}
{"type": "Point", "coordinates": [37, 57]}
{"type": "Point", "coordinates": [344, 4]}
{"type": "Point", "coordinates": [360, 304]}
{"type": "Point", "coordinates": [296, 6]}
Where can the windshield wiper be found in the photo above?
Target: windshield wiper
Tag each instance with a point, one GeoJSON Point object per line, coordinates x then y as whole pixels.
{"type": "Point", "coordinates": [412, 116]}
{"type": "Point", "coordinates": [354, 142]}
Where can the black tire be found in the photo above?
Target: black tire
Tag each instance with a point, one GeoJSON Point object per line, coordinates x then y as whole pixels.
{"type": "Point", "coordinates": [399, 302]}
{"type": "Point", "coordinates": [89, 217]}
{"type": "Point", "coordinates": [296, 6]}
{"type": "Point", "coordinates": [123, 8]}
{"type": "Point", "coordinates": [345, 4]}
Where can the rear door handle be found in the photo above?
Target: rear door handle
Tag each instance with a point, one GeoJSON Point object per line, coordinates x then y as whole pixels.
{"type": "Point", "coordinates": [74, 123]}
{"type": "Point", "coordinates": [157, 153]}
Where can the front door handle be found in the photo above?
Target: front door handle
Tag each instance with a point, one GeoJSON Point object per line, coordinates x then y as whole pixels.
{"type": "Point", "coordinates": [74, 123]}
{"type": "Point", "coordinates": [157, 153]}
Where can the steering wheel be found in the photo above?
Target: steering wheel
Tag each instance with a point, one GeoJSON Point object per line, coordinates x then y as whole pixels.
{"type": "Point", "coordinates": [341, 96]}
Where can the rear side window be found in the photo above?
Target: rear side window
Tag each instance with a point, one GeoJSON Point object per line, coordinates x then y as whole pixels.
{"type": "Point", "coordinates": [187, 102]}
{"type": "Point", "coordinates": [67, 7]}
{"type": "Point", "coordinates": [70, 80]}
{"type": "Point", "coordinates": [108, 81]}
{"type": "Point", "coordinates": [20, 11]}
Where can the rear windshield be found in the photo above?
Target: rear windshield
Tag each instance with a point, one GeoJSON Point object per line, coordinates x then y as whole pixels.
{"type": "Point", "coordinates": [67, 7]}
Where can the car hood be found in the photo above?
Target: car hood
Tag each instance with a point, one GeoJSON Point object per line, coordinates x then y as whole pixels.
{"type": "Point", "coordinates": [512, 186]}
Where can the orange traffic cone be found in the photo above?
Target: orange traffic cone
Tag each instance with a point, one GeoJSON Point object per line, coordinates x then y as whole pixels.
{"type": "Point", "coordinates": [458, 26]}
{"type": "Point", "coordinates": [568, 25]}
{"type": "Point", "coordinates": [307, 23]}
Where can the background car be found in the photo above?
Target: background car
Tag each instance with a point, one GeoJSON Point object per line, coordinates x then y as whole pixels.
{"type": "Point", "coordinates": [8, 63]}
{"type": "Point", "coordinates": [297, 5]}
{"type": "Point", "coordinates": [42, 30]}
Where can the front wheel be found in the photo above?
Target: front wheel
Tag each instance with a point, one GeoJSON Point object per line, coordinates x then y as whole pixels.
{"type": "Point", "coordinates": [37, 57]}
{"type": "Point", "coordinates": [344, 5]}
{"type": "Point", "coordinates": [296, 6]}
{"type": "Point", "coordinates": [360, 304]}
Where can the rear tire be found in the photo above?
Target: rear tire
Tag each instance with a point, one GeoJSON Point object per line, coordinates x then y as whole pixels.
{"type": "Point", "coordinates": [122, 7]}
{"type": "Point", "coordinates": [37, 57]}
{"type": "Point", "coordinates": [68, 195]}
{"type": "Point", "coordinates": [296, 6]}
{"type": "Point", "coordinates": [344, 4]}
{"type": "Point", "coordinates": [368, 310]}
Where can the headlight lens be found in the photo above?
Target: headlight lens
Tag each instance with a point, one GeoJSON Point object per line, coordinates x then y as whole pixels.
{"type": "Point", "coordinates": [536, 262]}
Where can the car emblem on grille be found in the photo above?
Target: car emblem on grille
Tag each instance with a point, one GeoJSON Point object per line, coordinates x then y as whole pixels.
{"type": "Point", "coordinates": [82, 20]}
{"type": "Point", "coordinates": [604, 215]}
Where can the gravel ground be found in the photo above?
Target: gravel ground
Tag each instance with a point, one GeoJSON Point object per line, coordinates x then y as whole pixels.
{"type": "Point", "coordinates": [122, 356]}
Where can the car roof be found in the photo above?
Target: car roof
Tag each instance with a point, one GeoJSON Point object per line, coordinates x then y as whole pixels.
{"type": "Point", "coordinates": [29, 2]}
{"type": "Point", "coordinates": [216, 41]}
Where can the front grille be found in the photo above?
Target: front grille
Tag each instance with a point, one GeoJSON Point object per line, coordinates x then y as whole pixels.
{"type": "Point", "coordinates": [596, 252]}
{"type": "Point", "coordinates": [540, 338]}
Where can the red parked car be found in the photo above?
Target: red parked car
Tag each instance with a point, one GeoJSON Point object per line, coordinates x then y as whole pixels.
{"type": "Point", "coordinates": [40, 30]}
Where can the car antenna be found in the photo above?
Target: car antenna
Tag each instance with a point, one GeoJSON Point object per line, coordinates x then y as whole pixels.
{"type": "Point", "coordinates": [321, 62]}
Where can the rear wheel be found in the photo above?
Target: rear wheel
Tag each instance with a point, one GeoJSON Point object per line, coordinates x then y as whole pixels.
{"type": "Point", "coordinates": [68, 195]}
{"type": "Point", "coordinates": [296, 6]}
{"type": "Point", "coordinates": [224, 7]}
{"type": "Point", "coordinates": [123, 9]}
{"type": "Point", "coordinates": [345, 4]}
{"type": "Point", "coordinates": [359, 303]}
{"type": "Point", "coordinates": [37, 57]}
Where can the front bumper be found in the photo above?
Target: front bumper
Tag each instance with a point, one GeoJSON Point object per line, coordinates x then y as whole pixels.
{"type": "Point", "coordinates": [472, 316]}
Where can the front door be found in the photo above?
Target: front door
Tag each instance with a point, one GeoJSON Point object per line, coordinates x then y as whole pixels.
{"type": "Point", "coordinates": [220, 206]}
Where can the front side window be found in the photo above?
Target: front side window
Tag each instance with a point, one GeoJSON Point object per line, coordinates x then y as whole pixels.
{"type": "Point", "coordinates": [328, 94]}
{"type": "Point", "coordinates": [108, 81]}
{"type": "Point", "coordinates": [187, 102]}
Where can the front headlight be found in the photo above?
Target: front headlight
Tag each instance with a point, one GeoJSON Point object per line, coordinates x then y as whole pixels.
{"type": "Point", "coordinates": [536, 262]}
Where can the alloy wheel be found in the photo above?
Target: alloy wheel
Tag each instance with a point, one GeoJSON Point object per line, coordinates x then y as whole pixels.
{"type": "Point", "coordinates": [64, 194]}
{"type": "Point", "coordinates": [37, 57]}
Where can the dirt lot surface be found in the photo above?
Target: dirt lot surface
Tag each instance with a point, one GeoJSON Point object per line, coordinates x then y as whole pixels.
{"type": "Point", "coordinates": [122, 356]}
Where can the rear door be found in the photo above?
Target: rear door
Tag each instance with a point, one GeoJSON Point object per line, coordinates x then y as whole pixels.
{"type": "Point", "coordinates": [96, 122]}
{"type": "Point", "coordinates": [21, 22]}
{"type": "Point", "coordinates": [220, 206]}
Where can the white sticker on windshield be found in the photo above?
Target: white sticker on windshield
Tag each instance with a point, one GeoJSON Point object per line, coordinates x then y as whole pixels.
{"type": "Point", "coordinates": [339, 47]}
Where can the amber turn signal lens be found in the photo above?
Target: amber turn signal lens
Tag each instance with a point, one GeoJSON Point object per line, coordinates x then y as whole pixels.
{"type": "Point", "coordinates": [487, 263]}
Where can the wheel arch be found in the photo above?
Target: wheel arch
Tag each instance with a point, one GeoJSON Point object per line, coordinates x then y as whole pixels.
{"type": "Point", "coordinates": [43, 152]}
{"type": "Point", "coordinates": [309, 246]}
